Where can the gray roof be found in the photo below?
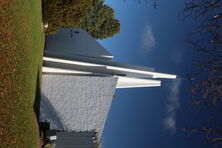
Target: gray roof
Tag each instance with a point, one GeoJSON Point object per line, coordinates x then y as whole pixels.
{"type": "Point", "coordinates": [77, 140]}
{"type": "Point", "coordinates": [76, 42]}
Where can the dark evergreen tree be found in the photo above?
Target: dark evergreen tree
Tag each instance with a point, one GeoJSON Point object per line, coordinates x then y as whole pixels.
{"type": "Point", "coordinates": [100, 22]}
{"type": "Point", "coordinates": [64, 13]}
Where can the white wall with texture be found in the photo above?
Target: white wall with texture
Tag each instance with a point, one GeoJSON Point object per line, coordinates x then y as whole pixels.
{"type": "Point", "coordinates": [76, 103]}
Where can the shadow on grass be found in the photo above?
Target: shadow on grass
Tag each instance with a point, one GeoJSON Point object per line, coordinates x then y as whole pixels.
{"type": "Point", "coordinates": [36, 104]}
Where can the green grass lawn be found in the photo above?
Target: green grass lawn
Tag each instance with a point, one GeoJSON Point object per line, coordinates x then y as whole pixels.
{"type": "Point", "coordinates": [21, 49]}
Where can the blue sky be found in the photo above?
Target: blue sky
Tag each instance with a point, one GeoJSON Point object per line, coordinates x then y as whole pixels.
{"type": "Point", "coordinates": [152, 117]}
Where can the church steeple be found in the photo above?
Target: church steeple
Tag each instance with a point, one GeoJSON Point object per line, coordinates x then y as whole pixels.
{"type": "Point", "coordinates": [71, 56]}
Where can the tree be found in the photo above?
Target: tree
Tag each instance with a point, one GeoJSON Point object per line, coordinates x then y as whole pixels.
{"type": "Point", "coordinates": [207, 81]}
{"type": "Point", "coordinates": [64, 13]}
{"type": "Point", "coordinates": [100, 22]}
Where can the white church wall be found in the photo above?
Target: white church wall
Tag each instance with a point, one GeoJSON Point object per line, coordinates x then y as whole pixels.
{"type": "Point", "coordinates": [76, 103]}
{"type": "Point", "coordinates": [77, 42]}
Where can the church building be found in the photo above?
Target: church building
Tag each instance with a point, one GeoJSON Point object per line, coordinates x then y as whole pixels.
{"type": "Point", "coordinates": [79, 81]}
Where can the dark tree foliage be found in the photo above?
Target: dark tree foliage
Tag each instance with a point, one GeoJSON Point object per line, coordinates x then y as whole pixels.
{"type": "Point", "coordinates": [207, 82]}
{"type": "Point", "coordinates": [100, 22]}
{"type": "Point", "coordinates": [64, 13]}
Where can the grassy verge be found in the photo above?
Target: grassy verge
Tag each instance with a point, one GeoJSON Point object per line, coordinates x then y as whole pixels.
{"type": "Point", "coordinates": [21, 47]}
